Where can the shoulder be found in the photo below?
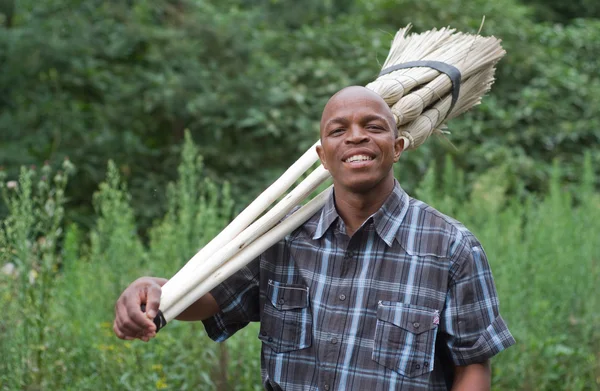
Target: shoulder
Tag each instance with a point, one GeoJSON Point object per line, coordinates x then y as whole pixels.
{"type": "Point", "coordinates": [303, 233]}
{"type": "Point", "coordinates": [427, 231]}
{"type": "Point", "coordinates": [306, 229]}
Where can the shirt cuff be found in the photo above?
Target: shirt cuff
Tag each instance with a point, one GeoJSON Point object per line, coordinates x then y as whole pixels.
{"type": "Point", "coordinates": [494, 339]}
{"type": "Point", "coordinates": [216, 326]}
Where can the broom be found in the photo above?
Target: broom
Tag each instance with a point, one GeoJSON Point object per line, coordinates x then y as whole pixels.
{"type": "Point", "coordinates": [427, 79]}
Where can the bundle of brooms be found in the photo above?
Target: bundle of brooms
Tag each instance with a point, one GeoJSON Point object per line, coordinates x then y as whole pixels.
{"type": "Point", "coordinates": [427, 79]}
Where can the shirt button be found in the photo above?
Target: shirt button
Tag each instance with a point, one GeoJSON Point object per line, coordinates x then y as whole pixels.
{"type": "Point", "coordinates": [270, 339]}
{"type": "Point", "coordinates": [263, 333]}
{"type": "Point", "coordinates": [326, 387]}
{"type": "Point", "coordinates": [342, 297]}
{"type": "Point", "coordinates": [416, 325]}
{"type": "Point", "coordinates": [426, 364]}
{"type": "Point", "coordinates": [281, 301]}
{"type": "Point", "coordinates": [333, 341]}
{"type": "Point", "coordinates": [418, 366]}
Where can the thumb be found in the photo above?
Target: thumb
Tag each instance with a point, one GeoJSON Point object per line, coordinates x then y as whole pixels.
{"type": "Point", "coordinates": [153, 301]}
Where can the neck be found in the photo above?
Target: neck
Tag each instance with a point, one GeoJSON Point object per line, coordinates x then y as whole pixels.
{"type": "Point", "coordinates": [355, 208]}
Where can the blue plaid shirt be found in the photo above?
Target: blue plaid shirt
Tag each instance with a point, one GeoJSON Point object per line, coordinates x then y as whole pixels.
{"type": "Point", "coordinates": [394, 307]}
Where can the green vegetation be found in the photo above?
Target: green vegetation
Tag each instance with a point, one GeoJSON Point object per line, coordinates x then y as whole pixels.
{"type": "Point", "coordinates": [99, 80]}
{"type": "Point", "coordinates": [56, 330]}
{"type": "Point", "coordinates": [114, 85]}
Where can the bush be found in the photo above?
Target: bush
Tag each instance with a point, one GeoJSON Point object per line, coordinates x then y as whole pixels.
{"type": "Point", "coordinates": [56, 332]}
{"type": "Point", "coordinates": [544, 254]}
{"type": "Point", "coordinates": [99, 80]}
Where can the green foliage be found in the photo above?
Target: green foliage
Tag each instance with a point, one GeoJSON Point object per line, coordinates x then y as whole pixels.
{"type": "Point", "coordinates": [554, 233]}
{"type": "Point", "coordinates": [550, 117]}
{"type": "Point", "coordinates": [29, 242]}
{"type": "Point", "coordinates": [56, 332]}
{"type": "Point", "coordinates": [67, 342]}
{"type": "Point", "coordinates": [544, 255]}
{"type": "Point", "coordinates": [115, 232]}
{"type": "Point", "coordinates": [122, 80]}
{"type": "Point", "coordinates": [564, 11]}
{"type": "Point", "coordinates": [196, 212]}
{"type": "Point", "coordinates": [117, 83]}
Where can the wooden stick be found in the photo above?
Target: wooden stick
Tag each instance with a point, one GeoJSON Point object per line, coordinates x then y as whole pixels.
{"type": "Point", "coordinates": [242, 258]}
{"type": "Point", "coordinates": [469, 54]}
{"type": "Point", "coordinates": [248, 215]}
{"type": "Point", "coordinates": [203, 270]}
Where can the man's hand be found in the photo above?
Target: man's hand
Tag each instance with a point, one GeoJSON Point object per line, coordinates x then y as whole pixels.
{"type": "Point", "coordinates": [130, 322]}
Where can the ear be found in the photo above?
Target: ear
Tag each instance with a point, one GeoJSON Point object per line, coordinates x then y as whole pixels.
{"type": "Point", "coordinates": [400, 144]}
{"type": "Point", "coordinates": [321, 154]}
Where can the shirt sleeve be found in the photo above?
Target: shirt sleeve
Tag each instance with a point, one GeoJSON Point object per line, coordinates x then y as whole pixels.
{"type": "Point", "coordinates": [471, 323]}
{"type": "Point", "coordinates": [238, 298]}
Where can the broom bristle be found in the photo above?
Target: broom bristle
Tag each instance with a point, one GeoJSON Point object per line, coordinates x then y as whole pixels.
{"type": "Point", "coordinates": [412, 93]}
{"type": "Point", "coordinates": [474, 90]}
{"type": "Point", "coordinates": [433, 119]}
{"type": "Point", "coordinates": [393, 86]}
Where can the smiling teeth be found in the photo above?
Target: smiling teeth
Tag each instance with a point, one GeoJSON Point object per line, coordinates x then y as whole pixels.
{"type": "Point", "coordinates": [358, 158]}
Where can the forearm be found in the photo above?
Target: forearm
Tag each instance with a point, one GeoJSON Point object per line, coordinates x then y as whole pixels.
{"type": "Point", "coordinates": [202, 309]}
{"type": "Point", "coordinates": [474, 377]}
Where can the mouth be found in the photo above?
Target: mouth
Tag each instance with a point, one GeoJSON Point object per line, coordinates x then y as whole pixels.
{"type": "Point", "coordinates": [358, 158]}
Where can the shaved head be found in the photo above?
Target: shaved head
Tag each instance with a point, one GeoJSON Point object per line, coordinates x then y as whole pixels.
{"type": "Point", "coordinates": [357, 95]}
{"type": "Point", "coordinates": [359, 142]}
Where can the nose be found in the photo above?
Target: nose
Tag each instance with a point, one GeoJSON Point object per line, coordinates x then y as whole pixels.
{"type": "Point", "coordinates": [356, 134]}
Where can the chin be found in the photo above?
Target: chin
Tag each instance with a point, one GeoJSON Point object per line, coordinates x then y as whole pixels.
{"type": "Point", "coordinates": [361, 186]}
{"type": "Point", "coordinates": [365, 183]}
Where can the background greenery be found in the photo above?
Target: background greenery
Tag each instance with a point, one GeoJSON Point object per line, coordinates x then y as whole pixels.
{"type": "Point", "coordinates": [98, 80]}
{"type": "Point", "coordinates": [114, 85]}
{"type": "Point", "coordinates": [56, 330]}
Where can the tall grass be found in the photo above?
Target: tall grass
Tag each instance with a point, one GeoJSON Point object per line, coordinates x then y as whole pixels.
{"type": "Point", "coordinates": [545, 256]}
{"type": "Point", "coordinates": [56, 328]}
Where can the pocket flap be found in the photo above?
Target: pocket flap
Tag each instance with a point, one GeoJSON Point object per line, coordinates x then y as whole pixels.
{"type": "Point", "coordinates": [417, 320]}
{"type": "Point", "coordinates": [287, 296]}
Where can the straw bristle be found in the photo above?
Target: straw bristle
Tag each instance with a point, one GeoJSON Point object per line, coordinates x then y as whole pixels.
{"type": "Point", "coordinates": [412, 105]}
{"type": "Point", "coordinates": [412, 93]}
{"type": "Point", "coordinates": [432, 120]}
{"type": "Point", "coordinates": [395, 85]}
{"type": "Point", "coordinates": [474, 90]}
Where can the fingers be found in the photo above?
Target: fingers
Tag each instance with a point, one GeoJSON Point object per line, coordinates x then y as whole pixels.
{"type": "Point", "coordinates": [153, 293]}
{"type": "Point", "coordinates": [119, 332]}
{"type": "Point", "coordinates": [130, 322]}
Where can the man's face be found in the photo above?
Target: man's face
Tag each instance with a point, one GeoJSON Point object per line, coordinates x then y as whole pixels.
{"type": "Point", "coordinates": [358, 143]}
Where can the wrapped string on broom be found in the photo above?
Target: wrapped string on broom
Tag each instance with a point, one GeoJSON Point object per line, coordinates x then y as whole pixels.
{"type": "Point", "coordinates": [427, 79]}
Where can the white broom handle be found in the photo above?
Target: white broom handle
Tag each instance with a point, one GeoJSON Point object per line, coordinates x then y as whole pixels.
{"type": "Point", "coordinates": [172, 294]}
{"type": "Point", "coordinates": [245, 256]}
{"type": "Point", "coordinates": [250, 213]}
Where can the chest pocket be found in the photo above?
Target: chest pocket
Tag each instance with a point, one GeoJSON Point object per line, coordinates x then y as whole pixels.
{"type": "Point", "coordinates": [405, 338]}
{"type": "Point", "coordinates": [286, 320]}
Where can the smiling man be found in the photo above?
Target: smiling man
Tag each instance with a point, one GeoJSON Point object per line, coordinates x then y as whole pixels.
{"type": "Point", "coordinates": [359, 146]}
{"type": "Point", "coordinates": [377, 291]}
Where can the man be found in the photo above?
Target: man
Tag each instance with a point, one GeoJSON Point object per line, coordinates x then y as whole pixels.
{"type": "Point", "coordinates": [377, 291]}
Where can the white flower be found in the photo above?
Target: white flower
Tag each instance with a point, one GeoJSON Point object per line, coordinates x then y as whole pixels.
{"type": "Point", "coordinates": [9, 269]}
{"type": "Point", "coordinates": [11, 184]}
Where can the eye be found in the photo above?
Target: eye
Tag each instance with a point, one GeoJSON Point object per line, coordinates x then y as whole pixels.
{"type": "Point", "coordinates": [375, 127]}
{"type": "Point", "coordinates": [336, 131]}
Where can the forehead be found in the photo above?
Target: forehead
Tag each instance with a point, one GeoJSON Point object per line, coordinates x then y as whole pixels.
{"type": "Point", "coordinates": [355, 102]}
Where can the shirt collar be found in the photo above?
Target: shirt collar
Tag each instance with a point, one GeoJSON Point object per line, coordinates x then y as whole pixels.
{"type": "Point", "coordinates": [328, 215]}
{"type": "Point", "coordinates": [387, 219]}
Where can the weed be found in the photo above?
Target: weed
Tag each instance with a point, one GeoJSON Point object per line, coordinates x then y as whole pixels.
{"type": "Point", "coordinates": [58, 297]}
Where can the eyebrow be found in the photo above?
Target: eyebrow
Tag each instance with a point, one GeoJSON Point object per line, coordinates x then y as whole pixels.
{"type": "Point", "coordinates": [365, 119]}
{"type": "Point", "coordinates": [373, 117]}
{"type": "Point", "coordinates": [338, 120]}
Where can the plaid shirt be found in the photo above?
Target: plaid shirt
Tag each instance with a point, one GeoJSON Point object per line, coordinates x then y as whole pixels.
{"type": "Point", "coordinates": [394, 307]}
